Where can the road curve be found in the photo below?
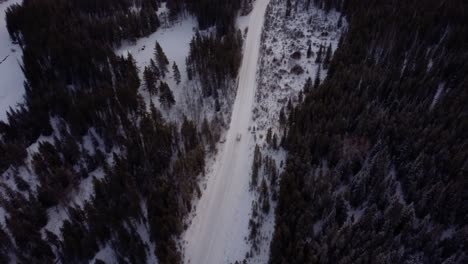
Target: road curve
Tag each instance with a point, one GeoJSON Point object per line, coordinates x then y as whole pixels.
{"type": "Point", "coordinates": [216, 234]}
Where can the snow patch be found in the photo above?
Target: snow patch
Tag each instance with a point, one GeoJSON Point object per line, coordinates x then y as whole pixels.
{"type": "Point", "coordinates": [436, 97]}
{"type": "Point", "coordinates": [11, 75]}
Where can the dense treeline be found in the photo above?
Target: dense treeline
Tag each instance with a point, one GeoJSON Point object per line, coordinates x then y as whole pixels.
{"type": "Point", "coordinates": [67, 54]}
{"type": "Point", "coordinates": [219, 13]}
{"type": "Point", "coordinates": [144, 169]}
{"type": "Point", "coordinates": [215, 60]}
{"type": "Point", "coordinates": [377, 163]}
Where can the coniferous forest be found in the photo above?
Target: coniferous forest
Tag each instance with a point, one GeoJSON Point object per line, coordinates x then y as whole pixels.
{"type": "Point", "coordinates": [377, 163]}
{"type": "Point", "coordinates": [77, 86]}
{"type": "Point", "coordinates": [377, 152]}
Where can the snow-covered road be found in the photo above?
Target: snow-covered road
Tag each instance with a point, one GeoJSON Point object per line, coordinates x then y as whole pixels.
{"type": "Point", "coordinates": [217, 232]}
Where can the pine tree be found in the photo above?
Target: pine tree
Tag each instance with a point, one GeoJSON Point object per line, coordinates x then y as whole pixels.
{"type": "Point", "coordinates": [289, 106]}
{"type": "Point", "coordinates": [282, 117]}
{"type": "Point", "coordinates": [166, 97]}
{"type": "Point", "coordinates": [155, 70]}
{"type": "Point", "coordinates": [309, 51]}
{"type": "Point", "coordinates": [319, 55]}
{"type": "Point", "coordinates": [275, 141]}
{"type": "Point", "coordinates": [328, 54]}
{"type": "Point", "coordinates": [317, 78]}
{"type": "Point", "coordinates": [307, 85]}
{"type": "Point", "coordinates": [265, 196]}
{"type": "Point", "coordinates": [257, 163]}
{"type": "Point", "coordinates": [150, 82]}
{"type": "Point", "coordinates": [161, 59]}
{"type": "Point", "coordinates": [288, 8]}
{"type": "Point", "coordinates": [268, 136]}
{"type": "Point", "coordinates": [176, 73]}
{"type": "Point", "coordinates": [207, 134]}
{"type": "Point", "coordinates": [217, 105]}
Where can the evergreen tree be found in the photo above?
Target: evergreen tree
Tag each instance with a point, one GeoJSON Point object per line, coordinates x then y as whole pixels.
{"type": "Point", "coordinates": [256, 164]}
{"type": "Point", "coordinates": [308, 86]}
{"type": "Point", "coordinates": [282, 117]}
{"type": "Point", "coordinates": [317, 78]}
{"type": "Point", "coordinates": [289, 106]}
{"type": "Point", "coordinates": [266, 197]}
{"type": "Point", "coordinates": [207, 134]}
{"type": "Point", "coordinates": [268, 136]}
{"type": "Point", "coordinates": [288, 8]}
{"type": "Point", "coordinates": [328, 54]}
{"type": "Point", "coordinates": [161, 59]}
{"type": "Point", "coordinates": [309, 51]}
{"type": "Point", "coordinates": [166, 97]}
{"type": "Point", "coordinates": [176, 73]}
{"type": "Point", "coordinates": [275, 141]}
{"type": "Point", "coordinates": [150, 81]}
{"type": "Point", "coordinates": [155, 70]}
{"type": "Point", "coordinates": [319, 55]}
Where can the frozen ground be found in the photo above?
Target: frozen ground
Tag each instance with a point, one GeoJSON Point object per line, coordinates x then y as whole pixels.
{"type": "Point", "coordinates": [11, 76]}
{"type": "Point", "coordinates": [217, 232]}
{"type": "Point", "coordinates": [174, 38]}
{"type": "Point", "coordinates": [283, 36]}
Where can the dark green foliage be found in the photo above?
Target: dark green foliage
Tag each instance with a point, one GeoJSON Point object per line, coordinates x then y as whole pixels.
{"type": "Point", "coordinates": [219, 13]}
{"type": "Point", "coordinates": [377, 167]}
{"type": "Point", "coordinates": [307, 86]}
{"type": "Point", "coordinates": [74, 76]}
{"type": "Point", "coordinates": [319, 55]}
{"type": "Point", "coordinates": [265, 197]}
{"type": "Point", "coordinates": [268, 136]}
{"type": "Point", "coordinates": [161, 59]}
{"type": "Point", "coordinates": [256, 165]}
{"type": "Point", "coordinates": [176, 73]}
{"type": "Point", "coordinates": [150, 80]}
{"type": "Point", "coordinates": [69, 44]}
{"type": "Point", "coordinates": [12, 154]}
{"type": "Point", "coordinates": [288, 9]}
{"type": "Point", "coordinates": [25, 218]}
{"type": "Point", "coordinates": [215, 60]}
{"type": "Point", "coordinates": [208, 135]}
{"type": "Point", "coordinates": [166, 97]}
{"type": "Point", "coordinates": [317, 78]}
{"type": "Point", "coordinates": [5, 246]}
{"type": "Point", "coordinates": [188, 131]}
{"type": "Point", "coordinates": [327, 58]}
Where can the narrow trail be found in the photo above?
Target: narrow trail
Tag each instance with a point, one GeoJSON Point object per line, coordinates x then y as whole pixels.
{"type": "Point", "coordinates": [216, 234]}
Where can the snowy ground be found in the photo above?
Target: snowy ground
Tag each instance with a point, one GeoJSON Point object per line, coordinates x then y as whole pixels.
{"type": "Point", "coordinates": [282, 37]}
{"type": "Point", "coordinates": [218, 230]}
{"type": "Point", "coordinates": [11, 76]}
{"type": "Point", "coordinates": [277, 84]}
{"type": "Point", "coordinates": [175, 40]}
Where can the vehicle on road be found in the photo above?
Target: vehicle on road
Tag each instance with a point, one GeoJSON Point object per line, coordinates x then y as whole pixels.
{"type": "Point", "coordinates": [239, 136]}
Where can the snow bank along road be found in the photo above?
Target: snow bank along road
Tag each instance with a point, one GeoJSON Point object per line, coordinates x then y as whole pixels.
{"type": "Point", "coordinates": [216, 234]}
